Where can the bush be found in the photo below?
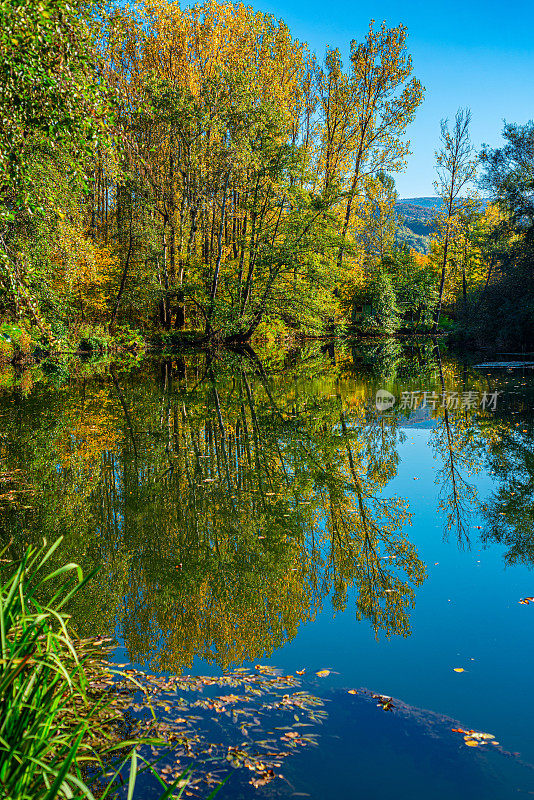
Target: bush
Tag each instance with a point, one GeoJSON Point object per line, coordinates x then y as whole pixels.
{"type": "Point", "coordinates": [94, 339]}
{"type": "Point", "coordinates": [7, 351]}
{"type": "Point", "coordinates": [51, 727]}
{"type": "Point", "coordinates": [15, 342]}
{"type": "Point", "coordinates": [379, 314]}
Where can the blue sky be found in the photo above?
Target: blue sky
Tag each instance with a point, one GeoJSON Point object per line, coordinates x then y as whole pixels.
{"type": "Point", "coordinates": [476, 54]}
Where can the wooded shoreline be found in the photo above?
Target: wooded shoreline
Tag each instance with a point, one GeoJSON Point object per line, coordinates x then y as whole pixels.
{"type": "Point", "coordinates": [201, 170]}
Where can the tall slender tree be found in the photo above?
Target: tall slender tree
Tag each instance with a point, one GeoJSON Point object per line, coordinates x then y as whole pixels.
{"type": "Point", "coordinates": [384, 100]}
{"type": "Point", "coordinates": [456, 168]}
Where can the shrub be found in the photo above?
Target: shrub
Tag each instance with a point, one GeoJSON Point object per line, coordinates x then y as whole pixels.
{"type": "Point", "coordinates": [51, 728]}
{"type": "Point", "coordinates": [7, 351]}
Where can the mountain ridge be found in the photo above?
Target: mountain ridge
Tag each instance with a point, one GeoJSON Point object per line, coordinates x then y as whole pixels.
{"type": "Point", "coordinates": [414, 221]}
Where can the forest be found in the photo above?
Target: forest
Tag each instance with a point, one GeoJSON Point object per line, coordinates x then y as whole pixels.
{"type": "Point", "coordinates": [197, 174]}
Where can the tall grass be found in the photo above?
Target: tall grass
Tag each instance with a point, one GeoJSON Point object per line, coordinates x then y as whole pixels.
{"type": "Point", "coordinates": [53, 732]}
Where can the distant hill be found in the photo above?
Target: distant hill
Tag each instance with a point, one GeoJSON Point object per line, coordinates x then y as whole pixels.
{"type": "Point", "coordinates": [414, 220]}
{"type": "Point", "coordinates": [424, 202]}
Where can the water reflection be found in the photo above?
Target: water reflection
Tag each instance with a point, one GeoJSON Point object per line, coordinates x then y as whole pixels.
{"type": "Point", "coordinates": [226, 498]}
{"type": "Point", "coordinates": [509, 513]}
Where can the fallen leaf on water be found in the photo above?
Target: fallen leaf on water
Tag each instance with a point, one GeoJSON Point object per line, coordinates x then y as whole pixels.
{"type": "Point", "coordinates": [459, 669]}
{"type": "Point", "coordinates": [263, 778]}
{"type": "Point", "coordinates": [323, 673]}
{"type": "Point", "coordinates": [384, 701]}
{"type": "Point", "coordinates": [474, 738]}
{"type": "Point", "coordinates": [526, 600]}
{"type": "Point", "coordinates": [300, 671]}
{"type": "Point", "coordinates": [353, 691]}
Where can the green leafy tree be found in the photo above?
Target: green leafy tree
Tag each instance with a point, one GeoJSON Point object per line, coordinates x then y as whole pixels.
{"type": "Point", "coordinates": [51, 114]}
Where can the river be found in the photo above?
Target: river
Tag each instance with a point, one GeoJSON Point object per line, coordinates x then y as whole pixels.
{"type": "Point", "coordinates": [361, 512]}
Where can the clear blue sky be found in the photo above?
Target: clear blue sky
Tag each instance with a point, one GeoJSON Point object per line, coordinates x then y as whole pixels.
{"type": "Point", "coordinates": [465, 52]}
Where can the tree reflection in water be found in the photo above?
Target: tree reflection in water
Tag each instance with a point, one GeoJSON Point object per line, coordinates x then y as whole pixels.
{"type": "Point", "coordinates": [225, 501]}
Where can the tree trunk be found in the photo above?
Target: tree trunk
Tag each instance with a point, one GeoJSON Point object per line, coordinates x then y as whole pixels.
{"type": "Point", "coordinates": [124, 275]}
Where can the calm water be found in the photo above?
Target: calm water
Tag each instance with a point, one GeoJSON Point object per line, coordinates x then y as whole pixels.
{"type": "Point", "coordinates": [249, 511]}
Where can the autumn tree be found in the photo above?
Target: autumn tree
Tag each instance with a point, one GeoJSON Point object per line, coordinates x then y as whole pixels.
{"type": "Point", "coordinates": [52, 114]}
{"type": "Point", "coordinates": [413, 280]}
{"type": "Point", "coordinates": [217, 103]}
{"type": "Point", "coordinates": [456, 167]}
{"type": "Point", "coordinates": [505, 305]}
{"type": "Point", "coordinates": [383, 101]}
{"type": "Point", "coordinates": [225, 186]}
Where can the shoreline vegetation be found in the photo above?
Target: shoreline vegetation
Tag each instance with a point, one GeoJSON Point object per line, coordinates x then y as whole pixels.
{"type": "Point", "coordinates": [201, 173]}
{"type": "Point", "coordinates": [64, 732]}
{"type": "Point", "coordinates": [76, 725]}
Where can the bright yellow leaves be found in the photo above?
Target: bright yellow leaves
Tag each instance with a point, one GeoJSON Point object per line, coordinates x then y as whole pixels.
{"type": "Point", "coordinates": [192, 45]}
{"type": "Point", "coordinates": [233, 129]}
{"type": "Point", "coordinates": [475, 738]}
{"type": "Point", "coordinates": [83, 273]}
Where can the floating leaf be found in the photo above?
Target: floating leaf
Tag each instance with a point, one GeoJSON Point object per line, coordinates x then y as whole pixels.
{"type": "Point", "coordinates": [384, 701]}
{"type": "Point", "coordinates": [353, 691]}
{"type": "Point", "coordinates": [459, 669]}
{"type": "Point", "coordinates": [323, 673]}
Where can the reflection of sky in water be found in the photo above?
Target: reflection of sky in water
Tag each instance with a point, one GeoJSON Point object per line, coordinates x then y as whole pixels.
{"type": "Point", "coordinates": [408, 754]}
{"type": "Point", "coordinates": [466, 613]}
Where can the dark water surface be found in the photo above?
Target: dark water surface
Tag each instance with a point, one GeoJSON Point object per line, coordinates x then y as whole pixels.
{"type": "Point", "coordinates": [250, 511]}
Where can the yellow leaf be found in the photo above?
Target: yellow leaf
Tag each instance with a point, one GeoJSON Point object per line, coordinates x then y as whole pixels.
{"type": "Point", "coordinates": [459, 669]}
{"type": "Point", "coordinates": [323, 673]}
{"type": "Point", "coordinates": [353, 691]}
